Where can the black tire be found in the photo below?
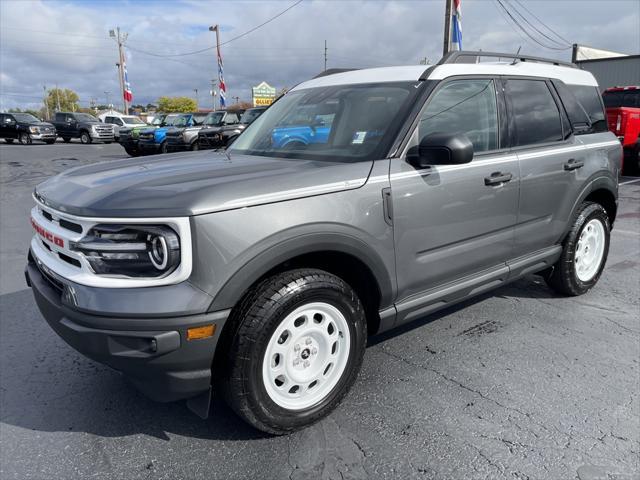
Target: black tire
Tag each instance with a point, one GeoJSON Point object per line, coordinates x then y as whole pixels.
{"type": "Point", "coordinates": [50, 142]}
{"type": "Point", "coordinates": [563, 278]}
{"type": "Point", "coordinates": [132, 152]}
{"type": "Point", "coordinates": [66, 139]}
{"type": "Point", "coordinates": [164, 148]}
{"type": "Point", "coordinates": [8, 140]}
{"type": "Point", "coordinates": [85, 138]}
{"type": "Point", "coordinates": [253, 323]}
{"type": "Point", "coordinates": [25, 139]}
{"type": "Point", "coordinates": [107, 143]}
{"type": "Point", "coordinates": [194, 146]}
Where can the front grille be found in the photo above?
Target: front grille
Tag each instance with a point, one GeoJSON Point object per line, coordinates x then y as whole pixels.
{"type": "Point", "coordinates": [74, 227]}
{"type": "Point", "coordinates": [51, 280]}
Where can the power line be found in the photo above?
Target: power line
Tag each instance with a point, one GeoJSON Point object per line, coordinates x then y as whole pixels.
{"type": "Point", "coordinates": [223, 43]}
{"type": "Point", "coordinates": [543, 24]}
{"type": "Point", "coordinates": [525, 31]}
{"type": "Point", "coordinates": [553, 40]}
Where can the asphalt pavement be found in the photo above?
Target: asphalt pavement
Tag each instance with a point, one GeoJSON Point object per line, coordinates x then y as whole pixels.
{"type": "Point", "coordinates": [517, 384]}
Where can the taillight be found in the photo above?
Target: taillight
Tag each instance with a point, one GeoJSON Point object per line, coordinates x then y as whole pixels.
{"type": "Point", "coordinates": [618, 122]}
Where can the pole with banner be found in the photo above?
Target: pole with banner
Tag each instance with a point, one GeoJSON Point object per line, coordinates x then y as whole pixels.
{"type": "Point", "coordinates": [456, 26]}
{"type": "Point", "coordinates": [222, 88]}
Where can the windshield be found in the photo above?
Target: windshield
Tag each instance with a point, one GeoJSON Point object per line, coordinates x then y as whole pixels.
{"type": "Point", "coordinates": [25, 117]}
{"type": "Point", "coordinates": [628, 98]}
{"type": "Point", "coordinates": [214, 119]}
{"type": "Point", "coordinates": [168, 121]}
{"type": "Point", "coordinates": [85, 117]}
{"type": "Point", "coordinates": [132, 120]}
{"type": "Point", "coordinates": [250, 115]}
{"type": "Point", "coordinates": [340, 123]}
{"type": "Point", "coordinates": [181, 121]}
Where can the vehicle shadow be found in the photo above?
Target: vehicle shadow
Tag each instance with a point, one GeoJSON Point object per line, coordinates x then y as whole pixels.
{"type": "Point", "coordinates": [47, 386]}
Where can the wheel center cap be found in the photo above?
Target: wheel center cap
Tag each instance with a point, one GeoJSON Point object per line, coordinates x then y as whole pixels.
{"type": "Point", "coordinates": [305, 354]}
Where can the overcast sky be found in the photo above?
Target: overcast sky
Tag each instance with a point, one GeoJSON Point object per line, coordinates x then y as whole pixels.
{"type": "Point", "coordinates": [67, 42]}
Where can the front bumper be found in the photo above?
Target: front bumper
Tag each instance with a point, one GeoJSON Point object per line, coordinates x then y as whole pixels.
{"type": "Point", "coordinates": [211, 141]}
{"type": "Point", "coordinates": [128, 142]}
{"type": "Point", "coordinates": [43, 136]}
{"type": "Point", "coordinates": [148, 147]}
{"type": "Point", "coordinates": [152, 352]}
{"type": "Point", "coordinates": [177, 143]}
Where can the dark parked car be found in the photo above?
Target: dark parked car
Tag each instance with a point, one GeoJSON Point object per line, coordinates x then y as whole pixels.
{"type": "Point", "coordinates": [219, 136]}
{"type": "Point", "coordinates": [83, 126]}
{"type": "Point", "coordinates": [184, 132]}
{"type": "Point", "coordinates": [154, 140]}
{"type": "Point", "coordinates": [25, 128]}
{"type": "Point", "coordinates": [128, 137]}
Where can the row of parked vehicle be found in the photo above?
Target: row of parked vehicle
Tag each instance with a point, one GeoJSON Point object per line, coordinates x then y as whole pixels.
{"type": "Point", "coordinates": [187, 131]}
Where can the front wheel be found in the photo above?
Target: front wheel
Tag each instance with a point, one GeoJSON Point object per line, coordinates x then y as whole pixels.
{"type": "Point", "coordinates": [50, 142]}
{"type": "Point", "coordinates": [85, 138]}
{"type": "Point", "coordinates": [195, 146]}
{"type": "Point", "coordinates": [8, 140]}
{"type": "Point", "coordinates": [66, 139]}
{"type": "Point", "coordinates": [25, 139]}
{"type": "Point", "coordinates": [298, 346]}
{"type": "Point", "coordinates": [164, 148]}
{"type": "Point", "coordinates": [584, 253]}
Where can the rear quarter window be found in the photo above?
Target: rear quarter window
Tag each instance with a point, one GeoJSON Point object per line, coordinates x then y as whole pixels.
{"type": "Point", "coordinates": [590, 100]}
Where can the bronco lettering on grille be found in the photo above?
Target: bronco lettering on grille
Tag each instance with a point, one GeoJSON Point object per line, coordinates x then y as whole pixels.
{"type": "Point", "coordinates": [47, 235]}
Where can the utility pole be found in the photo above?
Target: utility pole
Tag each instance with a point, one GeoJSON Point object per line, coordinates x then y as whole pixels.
{"type": "Point", "coordinates": [46, 104]}
{"type": "Point", "coordinates": [447, 27]}
{"type": "Point", "coordinates": [196, 92]}
{"type": "Point", "coordinates": [213, 92]}
{"type": "Point", "coordinates": [106, 94]}
{"type": "Point", "coordinates": [120, 38]}
{"type": "Point", "coordinates": [325, 55]}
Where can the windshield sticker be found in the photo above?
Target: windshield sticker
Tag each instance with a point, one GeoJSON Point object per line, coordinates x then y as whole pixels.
{"type": "Point", "coordinates": [358, 137]}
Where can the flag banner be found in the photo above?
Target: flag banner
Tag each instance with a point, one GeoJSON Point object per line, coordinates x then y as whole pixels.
{"type": "Point", "coordinates": [128, 94]}
{"type": "Point", "coordinates": [221, 86]}
{"type": "Point", "coordinates": [456, 21]}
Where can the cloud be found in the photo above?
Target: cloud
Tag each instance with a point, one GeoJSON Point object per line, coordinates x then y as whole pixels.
{"type": "Point", "coordinates": [66, 42]}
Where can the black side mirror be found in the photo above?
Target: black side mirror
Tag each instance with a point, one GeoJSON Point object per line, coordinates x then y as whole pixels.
{"type": "Point", "coordinates": [441, 149]}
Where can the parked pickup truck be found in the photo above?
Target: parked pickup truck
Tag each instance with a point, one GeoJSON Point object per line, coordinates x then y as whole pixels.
{"type": "Point", "coordinates": [183, 135]}
{"type": "Point", "coordinates": [154, 140]}
{"type": "Point", "coordinates": [121, 122]}
{"type": "Point", "coordinates": [25, 128]}
{"type": "Point", "coordinates": [259, 272]}
{"type": "Point", "coordinates": [83, 126]}
{"type": "Point", "coordinates": [220, 136]}
{"type": "Point", "coordinates": [623, 116]}
{"type": "Point", "coordinates": [129, 136]}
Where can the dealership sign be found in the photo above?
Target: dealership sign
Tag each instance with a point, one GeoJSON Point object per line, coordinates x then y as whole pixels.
{"type": "Point", "coordinates": [263, 95]}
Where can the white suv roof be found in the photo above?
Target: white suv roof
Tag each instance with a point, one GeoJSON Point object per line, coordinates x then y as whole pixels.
{"type": "Point", "coordinates": [569, 75]}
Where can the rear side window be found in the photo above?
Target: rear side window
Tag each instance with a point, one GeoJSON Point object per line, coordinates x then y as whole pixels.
{"type": "Point", "coordinates": [589, 98]}
{"type": "Point", "coordinates": [535, 113]}
{"type": "Point", "coordinates": [464, 106]}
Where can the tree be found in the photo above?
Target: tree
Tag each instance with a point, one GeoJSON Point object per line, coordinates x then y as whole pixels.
{"type": "Point", "coordinates": [68, 100]}
{"type": "Point", "coordinates": [176, 104]}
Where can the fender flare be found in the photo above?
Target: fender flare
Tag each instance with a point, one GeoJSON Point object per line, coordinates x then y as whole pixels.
{"type": "Point", "coordinates": [596, 182]}
{"type": "Point", "coordinates": [236, 286]}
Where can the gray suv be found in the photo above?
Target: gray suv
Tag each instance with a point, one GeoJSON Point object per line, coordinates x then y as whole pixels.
{"type": "Point", "coordinates": [260, 272]}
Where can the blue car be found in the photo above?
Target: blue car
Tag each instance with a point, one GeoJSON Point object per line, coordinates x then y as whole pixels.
{"type": "Point", "coordinates": [154, 140]}
{"type": "Point", "coordinates": [302, 128]}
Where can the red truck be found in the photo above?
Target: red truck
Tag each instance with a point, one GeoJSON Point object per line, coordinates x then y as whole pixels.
{"type": "Point", "coordinates": [623, 117]}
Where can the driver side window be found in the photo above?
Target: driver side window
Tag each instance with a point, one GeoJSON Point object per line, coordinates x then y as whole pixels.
{"type": "Point", "coordinates": [464, 107]}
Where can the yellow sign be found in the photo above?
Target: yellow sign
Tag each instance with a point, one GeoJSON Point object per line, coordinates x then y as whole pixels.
{"type": "Point", "coordinates": [263, 95]}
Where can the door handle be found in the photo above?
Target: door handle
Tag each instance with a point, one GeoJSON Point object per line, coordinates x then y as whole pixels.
{"type": "Point", "coordinates": [573, 165]}
{"type": "Point", "coordinates": [497, 178]}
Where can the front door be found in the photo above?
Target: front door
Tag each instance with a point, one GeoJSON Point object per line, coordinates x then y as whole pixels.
{"type": "Point", "coordinates": [455, 221]}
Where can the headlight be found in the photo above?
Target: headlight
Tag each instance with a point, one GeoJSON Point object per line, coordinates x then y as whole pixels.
{"type": "Point", "coordinates": [131, 250]}
{"type": "Point", "coordinates": [34, 130]}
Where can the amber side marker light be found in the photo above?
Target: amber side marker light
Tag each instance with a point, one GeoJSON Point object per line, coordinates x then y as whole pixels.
{"type": "Point", "coordinates": [205, 331]}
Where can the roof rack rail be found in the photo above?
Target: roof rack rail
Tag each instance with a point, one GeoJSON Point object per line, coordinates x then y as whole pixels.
{"type": "Point", "coordinates": [333, 71]}
{"type": "Point", "coordinates": [473, 57]}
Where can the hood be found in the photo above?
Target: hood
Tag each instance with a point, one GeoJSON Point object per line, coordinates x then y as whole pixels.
{"type": "Point", "coordinates": [41, 124]}
{"type": "Point", "coordinates": [211, 129]}
{"type": "Point", "coordinates": [191, 184]}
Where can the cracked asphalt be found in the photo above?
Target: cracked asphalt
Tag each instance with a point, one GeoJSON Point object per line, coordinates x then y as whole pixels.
{"type": "Point", "coordinates": [516, 384]}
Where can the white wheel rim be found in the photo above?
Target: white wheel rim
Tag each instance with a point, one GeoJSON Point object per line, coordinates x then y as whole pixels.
{"type": "Point", "coordinates": [589, 250]}
{"type": "Point", "coordinates": [306, 356]}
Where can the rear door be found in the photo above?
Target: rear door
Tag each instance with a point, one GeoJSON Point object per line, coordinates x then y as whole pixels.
{"type": "Point", "coordinates": [452, 221]}
{"type": "Point", "coordinates": [10, 126]}
{"type": "Point", "coordinates": [550, 159]}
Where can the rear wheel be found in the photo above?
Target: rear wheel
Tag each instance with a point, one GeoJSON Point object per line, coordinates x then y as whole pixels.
{"type": "Point", "coordinates": [584, 253]}
{"type": "Point", "coordinates": [85, 138]}
{"type": "Point", "coordinates": [298, 346]}
{"type": "Point", "coordinates": [25, 139]}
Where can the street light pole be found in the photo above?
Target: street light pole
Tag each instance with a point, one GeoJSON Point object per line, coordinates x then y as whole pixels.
{"type": "Point", "coordinates": [120, 39]}
{"type": "Point", "coordinates": [46, 104]}
{"type": "Point", "coordinates": [447, 27]}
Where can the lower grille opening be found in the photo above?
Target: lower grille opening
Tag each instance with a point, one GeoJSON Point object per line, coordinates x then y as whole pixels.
{"type": "Point", "coordinates": [70, 260]}
{"type": "Point", "coordinates": [44, 244]}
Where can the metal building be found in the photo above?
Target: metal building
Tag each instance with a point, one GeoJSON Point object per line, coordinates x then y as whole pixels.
{"type": "Point", "coordinates": [615, 71]}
